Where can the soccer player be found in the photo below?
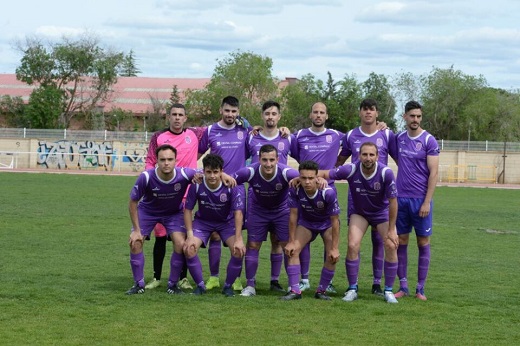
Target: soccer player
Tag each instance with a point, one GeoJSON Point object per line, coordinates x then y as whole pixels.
{"type": "Point", "coordinates": [227, 139]}
{"type": "Point", "coordinates": [157, 198]}
{"type": "Point", "coordinates": [313, 212]}
{"type": "Point", "coordinates": [373, 196]}
{"type": "Point", "coordinates": [270, 134]}
{"type": "Point", "coordinates": [321, 145]}
{"type": "Point", "coordinates": [418, 162]}
{"type": "Point", "coordinates": [219, 210]}
{"type": "Point", "coordinates": [186, 142]}
{"type": "Point", "coordinates": [267, 209]}
{"type": "Point", "coordinates": [369, 131]}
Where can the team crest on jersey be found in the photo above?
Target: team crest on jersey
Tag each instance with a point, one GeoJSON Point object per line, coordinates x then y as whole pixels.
{"type": "Point", "coordinates": [278, 187]}
{"type": "Point", "coordinates": [377, 186]}
{"type": "Point", "coordinates": [240, 135]}
{"type": "Point", "coordinates": [187, 139]}
{"type": "Point", "coordinates": [379, 142]}
{"type": "Point", "coordinates": [223, 197]}
{"type": "Point", "coordinates": [177, 187]}
{"type": "Point", "coordinates": [320, 204]}
{"type": "Point", "coordinates": [418, 146]}
{"type": "Point", "coordinates": [328, 138]}
{"type": "Point", "coordinates": [281, 146]}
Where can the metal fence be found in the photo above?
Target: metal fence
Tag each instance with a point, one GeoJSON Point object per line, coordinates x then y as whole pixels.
{"type": "Point", "coordinates": [145, 137]}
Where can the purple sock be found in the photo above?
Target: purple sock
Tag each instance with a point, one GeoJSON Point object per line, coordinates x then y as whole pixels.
{"type": "Point", "coordinates": [325, 279]}
{"type": "Point", "coordinates": [293, 273]}
{"type": "Point", "coordinates": [352, 268]}
{"type": "Point", "coordinates": [390, 274]}
{"type": "Point", "coordinates": [402, 266]}
{"type": "Point", "coordinates": [176, 263]}
{"type": "Point", "coordinates": [251, 266]}
{"type": "Point", "coordinates": [233, 270]}
{"type": "Point", "coordinates": [305, 261]}
{"type": "Point", "coordinates": [276, 265]}
{"type": "Point", "coordinates": [378, 255]}
{"type": "Point", "coordinates": [423, 265]}
{"type": "Point", "coordinates": [137, 265]}
{"type": "Point", "coordinates": [195, 268]}
{"type": "Point", "coordinates": [214, 253]}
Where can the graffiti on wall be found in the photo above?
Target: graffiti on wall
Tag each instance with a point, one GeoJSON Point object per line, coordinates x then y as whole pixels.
{"type": "Point", "coordinates": [64, 154]}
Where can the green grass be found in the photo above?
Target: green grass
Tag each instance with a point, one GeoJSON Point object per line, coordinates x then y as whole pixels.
{"type": "Point", "coordinates": [64, 268]}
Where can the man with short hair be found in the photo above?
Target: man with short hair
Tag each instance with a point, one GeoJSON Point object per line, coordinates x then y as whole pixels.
{"type": "Point", "coordinates": [373, 202]}
{"type": "Point", "coordinates": [267, 209]}
{"type": "Point", "coordinates": [219, 210]}
{"type": "Point", "coordinates": [369, 131]}
{"type": "Point", "coordinates": [418, 162]}
{"type": "Point", "coordinates": [157, 198]}
{"type": "Point", "coordinates": [313, 212]}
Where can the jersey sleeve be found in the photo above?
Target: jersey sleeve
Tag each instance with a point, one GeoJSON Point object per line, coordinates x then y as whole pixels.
{"type": "Point", "coordinates": [191, 198]}
{"type": "Point", "coordinates": [292, 200]}
{"type": "Point", "coordinates": [295, 150]}
{"type": "Point", "coordinates": [390, 186]}
{"type": "Point", "coordinates": [139, 187]}
{"type": "Point", "coordinates": [204, 141]}
{"type": "Point", "coordinates": [151, 159]}
{"type": "Point", "coordinates": [245, 174]}
{"type": "Point", "coordinates": [392, 145]}
{"type": "Point", "coordinates": [331, 198]}
{"type": "Point", "coordinates": [346, 150]}
{"type": "Point", "coordinates": [237, 200]}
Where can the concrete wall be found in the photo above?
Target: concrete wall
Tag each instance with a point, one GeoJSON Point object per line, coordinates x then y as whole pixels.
{"type": "Point", "coordinates": [127, 156]}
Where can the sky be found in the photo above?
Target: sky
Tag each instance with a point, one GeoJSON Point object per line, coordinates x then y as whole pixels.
{"type": "Point", "coordinates": [186, 38]}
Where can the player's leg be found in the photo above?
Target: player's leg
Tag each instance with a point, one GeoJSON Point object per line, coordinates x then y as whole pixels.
{"type": "Point", "coordinates": [193, 262]}
{"type": "Point", "coordinates": [234, 267]}
{"type": "Point", "coordinates": [423, 230]}
{"type": "Point", "coordinates": [404, 227]}
{"type": "Point", "coordinates": [279, 230]}
{"type": "Point", "coordinates": [276, 261]}
{"type": "Point", "coordinates": [378, 254]}
{"type": "Point", "coordinates": [356, 230]}
{"type": "Point", "coordinates": [305, 264]}
{"type": "Point", "coordinates": [329, 267]}
{"type": "Point", "coordinates": [214, 254]}
{"type": "Point", "coordinates": [159, 252]}
{"type": "Point", "coordinates": [303, 236]}
{"type": "Point", "coordinates": [251, 261]}
{"type": "Point", "coordinates": [390, 263]}
{"type": "Point", "coordinates": [137, 256]}
{"type": "Point", "coordinates": [178, 236]}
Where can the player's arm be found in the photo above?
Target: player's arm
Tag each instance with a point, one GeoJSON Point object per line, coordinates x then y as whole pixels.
{"type": "Point", "coordinates": [293, 223]}
{"type": "Point", "coordinates": [135, 235]}
{"type": "Point", "coordinates": [324, 173]}
{"type": "Point", "coordinates": [340, 161]}
{"type": "Point", "coordinates": [239, 247]}
{"type": "Point", "coordinates": [334, 251]}
{"type": "Point", "coordinates": [151, 159]}
{"type": "Point", "coordinates": [433, 167]}
{"type": "Point", "coordinates": [391, 234]}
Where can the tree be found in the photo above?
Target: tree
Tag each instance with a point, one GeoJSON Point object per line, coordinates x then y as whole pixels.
{"type": "Point", "coordinates": [378, 88]}
{"type": "Point", "coordinates": [14, 110]}
{"type": "Point", "coordinates": [83, 70]}
{"type": "Point", "coordinates": [174, 96]}
{"type": "Point", "coordinates": [45, 106]}
{"type": "Point", "coordinates": [245, 75]}
{"type": "Point", "coordinates": [128, 66]}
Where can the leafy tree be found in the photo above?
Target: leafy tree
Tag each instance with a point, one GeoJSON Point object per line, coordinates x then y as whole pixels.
{"type": "Point", "coordinates": [128, 67]}
{"type": "Point", "coordinates": [81, 68]}
{"type": "Point", "coordinates": [296, 100]}
{"type": "Point", "coordinates": [175, 97]}
{"type": "Point", "coordinates": [45, 106]}
{"type": "Point", "coordinates": [378, 88]}
{"type": "Point", "coordinates": [13, 108]}
{"type": "Point", "coordinates": [245, 75]}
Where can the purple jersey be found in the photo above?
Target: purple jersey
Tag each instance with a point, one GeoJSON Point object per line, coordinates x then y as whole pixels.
{"type": "Point", "coordinates": [230, 144]}
{"type": "Point", "coordinates": [267, 194]}
{"type": "Point", "coordinates": [216, 205]}
{"type": "Point", "coordinates": [369, 194]}
{"type": "Point", "coordinates": [384, 140]}
{"type": "Point", "coordinates": [322, 147]}
{"type": "Point", "coordinates": [158, 197]}
{"type": "Point", "coordinates": [283, 145]}
{"type": "Point", "coordinates": [413, 172]}
{"type": "Point", "coordinates": [314, 212]}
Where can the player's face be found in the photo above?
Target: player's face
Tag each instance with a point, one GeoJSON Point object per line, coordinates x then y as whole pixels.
{"type": "Point", "coordinates": [368, 115]}
{"type": "Point", "coordinates": [413, 119]}
{"type": "Point", "coordinates": [166, 161]}
{"type": "Point", "coordinates": [177, 119]}
{"type": "Point", "coordinates": [309, 181]}
{"type": "Point", "coordinates": [268, 163]}
{"type": "Point", "coordinates": [271, 116]}
{"type": "Point", "coordinates": [229, 114]}
{"type": "Point", "coordinates": [212, 175]}
{"type": "Point", "coordinates": [319, 115]}
{"type": "Point", "coordinates": [368, 157]}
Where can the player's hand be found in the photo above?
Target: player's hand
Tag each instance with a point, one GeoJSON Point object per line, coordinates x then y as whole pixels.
{"type": "Point", "coordinates": [334, 255]}
{"type": "Point", "coordinates": [392, 239]}
{"type": "Point", "coordinates": [228, 180]}
{"type": "Point", "coordinates": [256, 130]}
{"type": "Point", "coordinates": [294, 183]}
{"type": "Point", "coordinates": [135, 238]}
{"type": "Point", "coordinates": [322, 183]}
{"type": "Point", "coordinates": [290, 249]}
{"type": "Point", "coordinates": [425, 210]}
{"type": "Point", "coordinates": [381, 125]}
{"type": "Point", "coordinates": [189, 245]}
{"type": "Point", "coordinates": [197, 178]}
{"type": "Point", "coordinates": [239, 249]}
{"type": "Point", "coordinates": [285, 132]}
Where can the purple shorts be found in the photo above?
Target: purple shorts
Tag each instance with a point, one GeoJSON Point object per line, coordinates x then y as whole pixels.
{"type": "Point", "coordinates": [203, 229]}
{"type": "Point", "coordinates": [172, 223]}
{"type": "Point", "coordinates": [408, 217]}
{"type": "Point", "coordinates": [262, 221]}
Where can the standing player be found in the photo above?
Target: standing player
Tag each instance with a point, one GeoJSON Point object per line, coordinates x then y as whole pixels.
{"type": "Point", "coordinates": [220, 210]}
{"type": "Point", "coordinates": [227, 139]}
{"type": "Point", "coordinates": [369, 131]}
{"type": "Point", "coordinates": [313, 212]}
{"type": "Point", "coordinates": [321, 145]}
{"type": "Point", "coordinates": [418, 160]}
{"type": "Point", "coordinates": [373, 196]}
{"type": "Point", "coordinates": [267, 209]}
{"type": "Point", "coordinates": [186, 142]}
{"type": "Point", "coordinates": [157, 198]}
{"type": "Point", "coordinates": [270, 134]}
